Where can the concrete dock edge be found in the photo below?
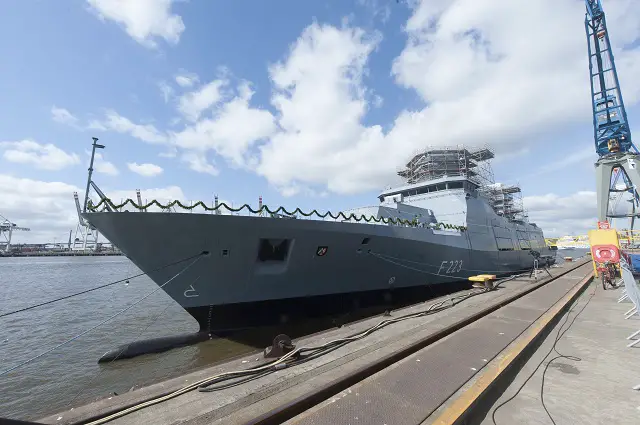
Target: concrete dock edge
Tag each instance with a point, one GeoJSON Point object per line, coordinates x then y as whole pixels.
{"type": "Point", "coordinates": [289, 410]}
{"type": "Point", "coordinates": [475, 399]}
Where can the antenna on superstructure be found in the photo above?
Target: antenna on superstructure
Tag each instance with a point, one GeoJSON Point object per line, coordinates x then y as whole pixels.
{"type": "Point", "coordinates": [86, 235]}
{"type": "Point", "coordinates": [215, 201]}
{"type": "Point", "coordinates": [90, 183]}
{"type": "Point", "coordinates": [139, 196]}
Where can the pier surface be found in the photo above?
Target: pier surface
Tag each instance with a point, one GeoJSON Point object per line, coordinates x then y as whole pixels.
{"type": "Point", "coordinates": [441, 368]}
{"type": "Point", "coordinates": [593, 385]}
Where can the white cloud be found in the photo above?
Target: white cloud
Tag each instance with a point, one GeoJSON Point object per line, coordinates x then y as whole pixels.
{"type": "Point", "coordinates": [478, 51]}
{"type": "Point", "coordinates": [231, 131]}
{"type": "Point", "coordinates": [146, 170]}
{"type": "Point", "coordinates": [320, 99]}
{"type": "Point", "coordinates": [115, 122]}
{"type": "Point", "coordinates": [572, 214]}
{"type": "Point", "coordinates": [166, 90]}
{"type": "Point", "coordinates": [378, 9]}
{"type": "Point", "coordinates": [198, 162]}
{"type": "Point", "coordinates": [481, 77]}
{"type": "Point", "coordinates": [194, 103]}
{"type": "Point", "coordinates": [377, 101]}
{"type": "Point", "coordinates": [186, 79]}
{"type": "Point", "coordinates": [563, 215]}
{"type": "Point", "coordinates": [43, 156]}
{"type": "Point", "coordinates": [143, 20]}
{"type": "Point", "coordinates": [63, 116]}
{"type": "Point", "coordinates": [171, 153]}
{"type": "Point", "coordinates": [46, 208]}
{"type": "Point", "coordinates": [585, 157]}
{"type": "Point", "coordinates": [103, 166]}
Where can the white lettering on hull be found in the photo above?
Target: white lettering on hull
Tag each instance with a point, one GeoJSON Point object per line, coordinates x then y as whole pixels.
{"type": "Point", "coordinates": [450, 266]}
{"type": "Point", "coordinates": [191, 292]}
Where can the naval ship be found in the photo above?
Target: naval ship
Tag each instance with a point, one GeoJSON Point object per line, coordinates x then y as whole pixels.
{"type": "Point", "coordinates": [447, 221]}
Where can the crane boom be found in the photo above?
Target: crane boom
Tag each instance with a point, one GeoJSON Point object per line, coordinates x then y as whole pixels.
{"type": "Point", "coordinates": [611, 131]}
{"type": "Point", "coordinates": [610, 125]}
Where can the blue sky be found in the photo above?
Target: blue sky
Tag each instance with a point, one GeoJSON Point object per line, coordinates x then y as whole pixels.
{"type": "Point", "coordinates": [310, 104]}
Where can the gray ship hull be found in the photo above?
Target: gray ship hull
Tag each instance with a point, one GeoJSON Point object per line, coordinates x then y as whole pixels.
{"type": "Point", "coordinates": [325, 265]}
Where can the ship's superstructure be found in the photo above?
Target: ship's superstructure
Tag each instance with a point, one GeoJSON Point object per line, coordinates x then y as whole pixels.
{"type": "Point", "coordinates": [442, 180]}
{"type": "Point", "coordinates": [449, 221]}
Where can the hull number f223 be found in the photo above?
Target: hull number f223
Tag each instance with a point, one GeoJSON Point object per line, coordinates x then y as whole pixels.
{"type": "Point", "coordinates": [448, 267]}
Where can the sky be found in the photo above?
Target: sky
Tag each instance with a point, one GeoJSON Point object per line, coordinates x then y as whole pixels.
{"type": "Point", "coordinates": [307, 104]}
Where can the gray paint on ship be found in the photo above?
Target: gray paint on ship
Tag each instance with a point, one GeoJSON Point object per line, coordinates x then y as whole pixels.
{"type": "Point", "coordinates": [413, 256]}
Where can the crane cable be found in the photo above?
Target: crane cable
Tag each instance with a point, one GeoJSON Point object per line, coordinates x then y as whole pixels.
{"type": "Point", "coordinates": [99, 287]}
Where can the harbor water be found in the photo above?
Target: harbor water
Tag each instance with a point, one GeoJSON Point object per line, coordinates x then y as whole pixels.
{"type": "Point", "coordinates": [70, 375]}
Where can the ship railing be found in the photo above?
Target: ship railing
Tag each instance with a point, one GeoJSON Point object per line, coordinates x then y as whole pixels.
{"type": "Point", "coordinates": [229, 208]}
{"type": "Point", "coordinates": [367, 215]}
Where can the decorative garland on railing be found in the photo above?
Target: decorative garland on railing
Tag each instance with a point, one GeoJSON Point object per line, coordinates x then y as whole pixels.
{"type": "Point", "coordinates": [264, 208]}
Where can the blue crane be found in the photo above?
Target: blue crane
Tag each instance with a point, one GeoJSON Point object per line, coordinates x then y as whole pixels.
{"type": "Point", "coordinates": [610, 125]}
{"type": "Point", "coordinates": [612, 136]}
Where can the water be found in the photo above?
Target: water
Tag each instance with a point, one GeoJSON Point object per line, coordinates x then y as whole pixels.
{"type": "Point", "coordinates": [70, 375]}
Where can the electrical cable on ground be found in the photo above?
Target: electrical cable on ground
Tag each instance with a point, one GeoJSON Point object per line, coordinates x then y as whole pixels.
{"type": "Point", "coordinates": [97, 287]}
{"type": "Point", "coordinates": [103, 322]}
{"type": "Point", "coordinates": [292, 358]}
{"type": "Point", "coordinates": [558, 337]}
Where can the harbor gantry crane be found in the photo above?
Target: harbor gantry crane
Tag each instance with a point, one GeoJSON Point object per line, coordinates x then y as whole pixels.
{"type": "Point", "coordinates": [612, 135]}
{"type": "Point", "coordinates": [6, 231]}
{"type": "Point", "coordinates": [86, 236]}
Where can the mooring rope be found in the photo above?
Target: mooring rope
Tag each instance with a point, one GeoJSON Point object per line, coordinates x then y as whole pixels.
{"type": "Point", "coordinates": [292, 358]}
{"type": "Point", "coordinates": [101, 323]}
{"type": "Point", "coordinates": [97, 287]}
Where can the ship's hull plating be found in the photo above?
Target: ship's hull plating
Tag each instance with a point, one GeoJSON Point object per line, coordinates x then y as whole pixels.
{"type": "Point", "coordinates": [231, 287]}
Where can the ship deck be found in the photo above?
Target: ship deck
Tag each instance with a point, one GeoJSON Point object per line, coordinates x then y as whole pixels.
{"type": "Point", "coordinates": [443, 368]}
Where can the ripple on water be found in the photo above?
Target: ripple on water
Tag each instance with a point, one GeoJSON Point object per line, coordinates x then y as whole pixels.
{"type": "Point", "coordinates": [49, 383]}
{"type": "Point", "coordinates": [70, 374]}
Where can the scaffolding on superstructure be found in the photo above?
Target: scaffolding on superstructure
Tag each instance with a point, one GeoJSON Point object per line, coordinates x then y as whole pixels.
{"type": "Point", "coordinates": [506, 200]}
{"type": "Point", "coordinates": [435, 163]}
{"type": "Point", "coordinates": [474, 164]}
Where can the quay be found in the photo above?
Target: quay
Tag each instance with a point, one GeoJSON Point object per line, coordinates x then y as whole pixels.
{"type": "Point", "coordinates": [454, 366]}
